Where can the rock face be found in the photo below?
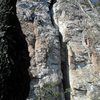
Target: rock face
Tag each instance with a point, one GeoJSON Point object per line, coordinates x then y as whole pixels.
{"type": "Point", "coordinates": [44, 47]}
{"type": "Point", "coordinates": [64, 47]}
{"type": "Point", "coordinates": [82, 40]}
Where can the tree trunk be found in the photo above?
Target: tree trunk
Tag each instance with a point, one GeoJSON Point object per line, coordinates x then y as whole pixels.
{"type": "Point", "coordinates": [14, 59]}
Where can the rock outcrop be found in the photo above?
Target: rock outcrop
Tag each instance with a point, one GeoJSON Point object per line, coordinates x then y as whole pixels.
{"type": "Point", "coordinates": [45, 52]}
{"type": "Point", "coordinates": [64, 47]}
{"type": "Point", "coordinates": [81, 35]}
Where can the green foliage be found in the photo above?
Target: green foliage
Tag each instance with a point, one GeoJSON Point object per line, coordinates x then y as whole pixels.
{"type": "Point", "coordinates": [67, 90]}
{"type": "Point", "coordinates": [35, 0]}
{"type": "Point", "coordinates": [33, 9]}
{"type": "Point", "coordinates": [48, 92]}
{"type": "Point", "coordinates": [97, 4]}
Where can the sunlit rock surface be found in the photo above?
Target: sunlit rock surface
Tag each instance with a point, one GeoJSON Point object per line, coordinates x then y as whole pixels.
{"type": "Point", "coordinates": [63, 43]}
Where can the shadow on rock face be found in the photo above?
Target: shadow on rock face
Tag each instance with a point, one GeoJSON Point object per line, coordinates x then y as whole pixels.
{"type": "Point", "coordinates": [14, 56]}
{"type": "Point", "coordinates": [18, 81]}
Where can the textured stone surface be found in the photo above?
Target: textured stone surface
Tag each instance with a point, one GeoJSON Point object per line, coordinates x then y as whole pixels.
{"type": "Point", "coordinates": [64, 47]}
{"type": "Point", "coordinates": [80, 35]}
{"type": "Point", "coordinates": [44, 47]}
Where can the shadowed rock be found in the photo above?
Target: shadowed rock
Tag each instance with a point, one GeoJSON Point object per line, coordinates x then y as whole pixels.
{"type": "Point", "coordinates": [14, 59]}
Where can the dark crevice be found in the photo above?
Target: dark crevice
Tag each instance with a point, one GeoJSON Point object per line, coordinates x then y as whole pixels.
{"type": "Point", "coordinates": [80, 91]}
{"type": "Point", "coordinates": [64, 57]}
{"type": "Point", "coordinates": [51, 10]}
{"type": "Point", "coordinates": [65, 70]}
{"type": "Point", "coordinates": [52, 3]}
{"type": "Point", "coordinates": [14, 56]}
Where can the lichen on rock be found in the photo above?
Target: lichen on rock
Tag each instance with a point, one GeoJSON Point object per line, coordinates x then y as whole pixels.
{"type": "Point", "coordinates": [64, 45]}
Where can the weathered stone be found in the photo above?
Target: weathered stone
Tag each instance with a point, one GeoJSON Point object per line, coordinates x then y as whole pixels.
{"type": "Point", "coordinates": [64, 47]}
{"type": "Point", "coordinates": [44, 48]}
{"type": "Point", "coordinates": [82, 66]}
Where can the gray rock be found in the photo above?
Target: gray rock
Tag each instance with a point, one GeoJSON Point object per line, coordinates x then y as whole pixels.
{"type": "Point", "coordinates": [59, 37]}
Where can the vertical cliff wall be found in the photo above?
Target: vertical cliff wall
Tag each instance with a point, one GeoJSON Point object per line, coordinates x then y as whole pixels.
{"type": "Point", "coordinates": [45, 51]}
{"type": "Point", "coordinates": [63, 43]}
{"type": "Point", "coordinates": [79, 29]}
